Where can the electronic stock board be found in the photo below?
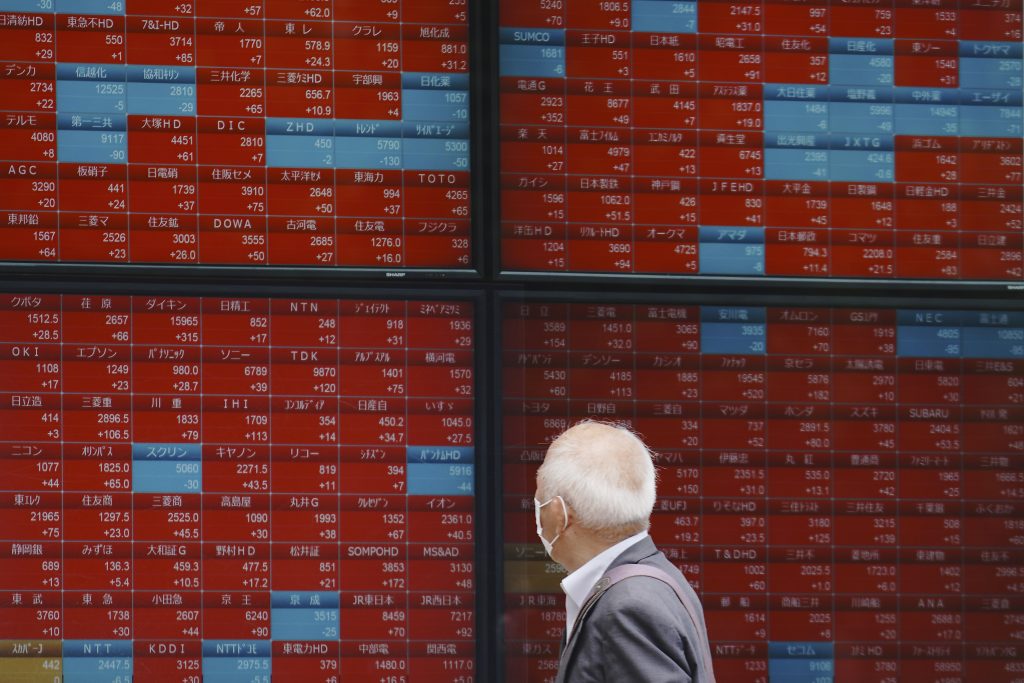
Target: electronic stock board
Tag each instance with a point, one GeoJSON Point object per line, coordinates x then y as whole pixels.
{"type": "Point", "coordinates": [234, 488]}
{"type": "Point", "coordinates": [842, 486]}
{"type": "Point", "coordinates": [752, 138]}
{"type": "Point", "coordinates": [236, 132]}
{"type": "Point", "coordinates": [206, 483]}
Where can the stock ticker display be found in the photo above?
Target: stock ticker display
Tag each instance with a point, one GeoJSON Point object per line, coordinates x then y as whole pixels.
{"type": "Point", "coordinates": [842, 486]}
{"type": "Point", "coordinates": [233, 489]}
{"type": "Point", "coordinates": [846, 139]}
{"type": "Point", "coordinates": [295, 132]}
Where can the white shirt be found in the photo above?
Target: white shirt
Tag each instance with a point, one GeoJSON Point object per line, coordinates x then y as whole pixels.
{"type": "Point", "coordinates": [577, 586]}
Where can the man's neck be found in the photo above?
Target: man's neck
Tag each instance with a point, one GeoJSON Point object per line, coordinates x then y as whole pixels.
{"type": "Point", "coordinates": [585, 548]}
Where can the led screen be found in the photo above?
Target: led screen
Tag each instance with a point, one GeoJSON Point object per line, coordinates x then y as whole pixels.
{"type": "Point", "coordinates": [243, 132]}
{"type": "Point", "coordinates": [842, 486]}
{"type": "Point", "coordinates": [234, 489]}
{"type": "Point", "coordinates": [754, 138]}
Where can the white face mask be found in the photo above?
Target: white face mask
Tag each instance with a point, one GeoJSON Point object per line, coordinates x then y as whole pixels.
{"type": "Point", "coordinates": [537, 505]}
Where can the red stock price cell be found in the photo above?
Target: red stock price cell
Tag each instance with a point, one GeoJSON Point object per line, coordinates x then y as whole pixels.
{"type": "Point", "coordinates": [308, 241]}
{"type": "Point", "coordinates": [164, 190]}
{"type": "Point", "coordinates": [665, 55]}
{"type": "Point", "coordinates": [227, 614]}
{"type": "Point", "coordinates": [28, 35]}
{"type": "Point", "coordinates": [241, 45]}
{"type": "Point", "coordinates": [160, 41]}
{"type": "Point", "coordinates": [289, 48]}
{"type": "Point", "coordinates": [603, 152]}
{"type": "Point", "coordinates": [532, 100]}
{"type": "Point", "coordinates": [376, 96]}
{"type": "Point", "coordinates": [109, 619]}
{"type": "Point", "coordinates": [729, 202]}
{"type": "Point", "coordinates": [441, 49]}
{"type": "Point", "coordinates": [31, 137]}
{"type": "Point", "coordinates": [310, 661]}
{"type": "Point", "coordinates": [744, 615]}
{"type": "Point", "coordinates": [90, 39]}
{"type": "Point", "coordinates": [797, 205]}
{"type": "Point", "coordinates": [667, 154]}
{"type": "Point", "coordinates": [35, 469]}
{"type": "Point", "coordinates": [230, 141]}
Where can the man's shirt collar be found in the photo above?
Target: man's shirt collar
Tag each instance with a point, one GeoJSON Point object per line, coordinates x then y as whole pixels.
{"type": "Point", "coordinates": [577, 586]}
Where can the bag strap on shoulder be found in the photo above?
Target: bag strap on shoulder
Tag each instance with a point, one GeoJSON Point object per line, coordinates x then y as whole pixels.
{"type": "Point", "coordinates": [626, 571]}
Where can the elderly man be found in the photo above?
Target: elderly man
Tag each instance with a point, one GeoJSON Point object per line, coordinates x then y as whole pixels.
{"type": "Point", "coordinates": [630, 614]}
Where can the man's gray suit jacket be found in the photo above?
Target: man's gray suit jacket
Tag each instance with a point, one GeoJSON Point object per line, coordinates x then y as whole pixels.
{"type": "Point", "coordinates": [637, 632]}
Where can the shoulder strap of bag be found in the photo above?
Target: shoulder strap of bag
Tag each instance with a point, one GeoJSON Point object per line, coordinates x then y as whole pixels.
{"type": "Point", "coordinates": [626, 571]}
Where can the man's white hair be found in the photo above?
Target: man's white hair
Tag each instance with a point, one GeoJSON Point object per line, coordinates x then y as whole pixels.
{"type": "Point", "coordinates": [605, 474]}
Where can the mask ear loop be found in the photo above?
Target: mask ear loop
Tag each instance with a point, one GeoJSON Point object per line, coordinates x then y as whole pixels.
{"type": "Point", "coordinates": [565, 514]}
